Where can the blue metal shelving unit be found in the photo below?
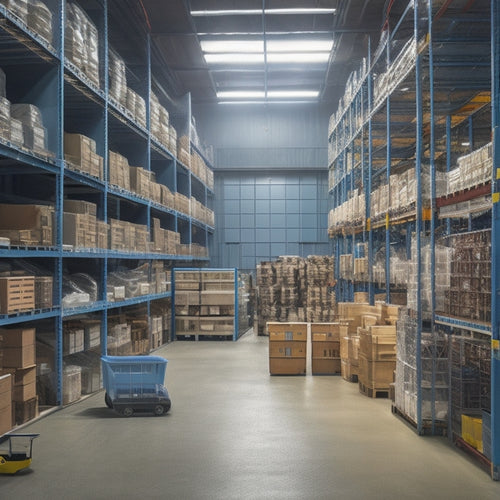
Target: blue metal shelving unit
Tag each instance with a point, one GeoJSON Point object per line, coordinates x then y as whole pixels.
{"type": "Point", "coordinates": [70, 101]}
{"type": "Point", "coordinates": [409, 106]}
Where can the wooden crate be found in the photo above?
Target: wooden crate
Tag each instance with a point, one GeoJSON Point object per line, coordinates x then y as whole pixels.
{"type": "Point", "coordinates": [322, 366]}
{"type": "Point", "coordinates": [17, 294]}
{"type": "Point", "coordinates": [287, 366]}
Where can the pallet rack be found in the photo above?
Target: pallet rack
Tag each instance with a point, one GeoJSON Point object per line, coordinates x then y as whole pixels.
{"type": "Point", "coordinates": [419, 101]}
{"type": "Point", "coordinates": [212, 303]}
{"type": "Point", "coordinates": [73, 99]}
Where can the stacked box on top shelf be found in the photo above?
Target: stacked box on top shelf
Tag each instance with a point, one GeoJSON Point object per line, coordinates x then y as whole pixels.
{"type": "Point", "coordinates": [80, 154]}
{"type": "Point", "coordinates": [81, 42]}
{"type": "Point", "coordinates": [287, 348]}
{"type": "Point", "coordinates": [325, 338]}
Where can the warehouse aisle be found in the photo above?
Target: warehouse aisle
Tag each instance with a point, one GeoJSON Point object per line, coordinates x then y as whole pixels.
{"type": "Point", "coordinates": [234, 432]}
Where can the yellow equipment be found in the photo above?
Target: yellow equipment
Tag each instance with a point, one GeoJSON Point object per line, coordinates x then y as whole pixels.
{"type": "Point", "coordinates": [15, 452]}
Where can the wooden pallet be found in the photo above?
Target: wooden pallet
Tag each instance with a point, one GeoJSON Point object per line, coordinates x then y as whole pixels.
{"type": "Point", "coordinates": [373, 392]}
{"type": "Point", "coordinates": [17, 294]}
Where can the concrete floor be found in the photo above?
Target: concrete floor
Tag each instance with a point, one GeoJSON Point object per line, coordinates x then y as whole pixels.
{"type": "Point", "coordinates": [234, 432]}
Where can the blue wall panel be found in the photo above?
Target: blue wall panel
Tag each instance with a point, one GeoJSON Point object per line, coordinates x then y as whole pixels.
{"type": "Point", "coordinates": [281, 214]}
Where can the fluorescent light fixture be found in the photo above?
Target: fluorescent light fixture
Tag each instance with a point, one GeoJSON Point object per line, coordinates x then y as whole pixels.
{"type": "Point", "coordinates": [241, 94]}
{"type": "Point", "coordinates": [224, 46]}
{"type": "Point", "coordinates": [292, 94]}
{"type": "Point", "coordinates": [303, 58]}
{"type": "Point", "coordinates": [258, 12]}
{"type": "Point", "coordinates": [299, 45]}
{"type": "Point", "coordinates": [257, 46]}
{"type": "Point", "coordinates": [466, 144]}
{"type": "Point", "coordinates": [235, 58]}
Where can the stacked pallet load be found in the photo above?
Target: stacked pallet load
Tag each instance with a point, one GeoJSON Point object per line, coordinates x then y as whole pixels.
{"type": "Point", "coordinates": [321, 302]}
{"type": "Point", "coordinates": [287, 348]}
{"type": "Point", "coordinates": [374, 326]}
{"type": "Point", "coordinates": [292, 289]}
{"type": "Point", "coordinates": [325, 341]}
{"type": "Point", "coordinates": [5, 403]}
{"type": "Point", "coordinates": [80, 154]}
{"type": "Point", "coordinates": [377, 359]}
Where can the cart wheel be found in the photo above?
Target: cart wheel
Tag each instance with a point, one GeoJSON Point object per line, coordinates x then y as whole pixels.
{"type": "Point", "coordinates": [108, 401]}
{"type": "Point", "coordinates": [127, 411]}
{"type": "Point", "coordinates": [159, 410]}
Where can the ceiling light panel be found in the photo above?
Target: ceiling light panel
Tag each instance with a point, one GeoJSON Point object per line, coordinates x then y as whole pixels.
{"type": "Point", "coordinates": [292, 94]}
{"type": "Point", "coordinates": [298, 58]}
{"type": "Point", "coordinates": [235, 58]}
{"type": "Point", "coordinates": [258, 12]}
{"type": "Point", "coordinates": [241, 94]}
{"type": "Point", "coordinates": [240, 46]}
{"type": "Point", "coordinates": [304, 45]}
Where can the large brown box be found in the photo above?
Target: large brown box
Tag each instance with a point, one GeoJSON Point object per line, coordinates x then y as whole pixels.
{"type": "Point", "coordinates": [24, 392]}
{"type": "Point", "coordinates": [325, 332]}
{"type": "Point", "coordinates": [5, 395]}
{"type": "Point", "coordinates": [378, 343]}
{"type": "Point", "coordinates": [19, 357]}
{"type": "Point", "coordinates": [287, 349]}
{"type": "Point", "coordinates": [348, 371]}
{"type": "Point", "coordinates": [217, 298]}
{"type": "Point", "coordinates": [5, 419]}
{"type": "Point", "coordinates": [80, 230]}
{"type": "Point", "coordinates": [78, 149]}
{"type": "Point", "coordinates": [140, 181]}
{"type": "Point", "coordinates": [25, 216]}
{"type": "Point", "coordinates": [324, 366]}
{"type": "Point", "coordinates": [376, 374]}
{"type": "Point", "coordinates": [326, 349]}
{"type": "Point", "coordinates": [287, 366]}
{"type": "Point", "coordinates": [287, 331]}
{"type": "Point", "coordinates": [80, 207]}
{"type": "Point", "coordinates": [17, 337]}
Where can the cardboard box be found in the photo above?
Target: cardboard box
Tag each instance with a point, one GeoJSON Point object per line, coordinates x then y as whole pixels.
{"type": "Point", "coordinates": [21, 376]}
{"type": "Point", "coordinates": [17, 337]}
{"type": "Point", "coordinates": [5, 391]}
{"type": "Point", "coordinates": [325, 332]}
{"type": "Point", "coordinates": [326, 349]}
{"type": "Point", "coordinates": [25, 216]}
{"type": "Point", "coordinates": [80, 207]}
{"type": "Point", "coordinates": [217, 298]}
{"type": "Point", "coordinates": [24, 392]}
{"type": "Point", "coordinates": [287, 366]}
{"type": "Point", "coordinates": [287, 331]}
{"type": "Point", "coordinates": [376, 374]}
{"type": "Point", "coordinates": [326, 366]}
{"type": "Point", "coordinates": [287, 349]}
{"type": "Point", "coordinates": [5, 419]}
{"type": "Point", "coordinates": [19, 357]}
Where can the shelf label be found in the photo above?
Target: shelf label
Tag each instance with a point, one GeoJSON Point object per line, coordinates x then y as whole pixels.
{"type": "Point", "coordinates": [368, 224]}
{"type": "Point", "coordinates": [387, 221]}
{"type": "Point", "coordinates": [498, 173]}
{"type": "Point", "coordinates": [495, 197]}
{"type": "Point", "coordinates": [495, 344]}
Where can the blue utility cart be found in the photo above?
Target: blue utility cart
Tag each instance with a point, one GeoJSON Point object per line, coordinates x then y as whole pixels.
{"type": "Point", "coordinates": [134, 384]}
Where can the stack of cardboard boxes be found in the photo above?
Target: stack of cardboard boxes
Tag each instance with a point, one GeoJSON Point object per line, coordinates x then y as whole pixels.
{"type": "Point", "coordinates": [18, 360]}
{"type": "Point", "coordinates": [80, 154]}
{"type": "Point", "coordinates": [27, 225]}
{"type": "Point", "coordinates": [325, 338]}
{"type": "Point", "coordinates": [80, 224]}
{"type": "Point", "coordinates": [368, 345]}
{"type": "Point", "coordinates": [287, 348]}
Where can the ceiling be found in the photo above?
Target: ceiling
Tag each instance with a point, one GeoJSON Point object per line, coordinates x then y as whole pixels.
{"type": "Point", "coordinates": [176, 36]}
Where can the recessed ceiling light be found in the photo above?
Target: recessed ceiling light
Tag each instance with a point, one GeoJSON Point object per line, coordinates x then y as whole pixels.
{"type": "Point", "coordinates": [258, 12]}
